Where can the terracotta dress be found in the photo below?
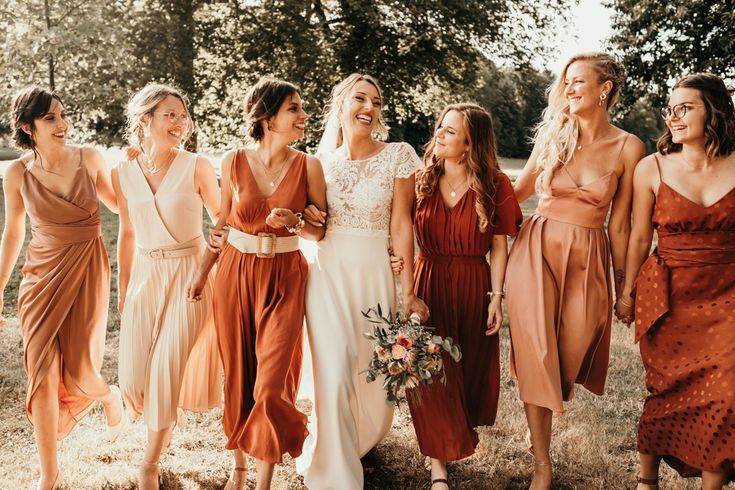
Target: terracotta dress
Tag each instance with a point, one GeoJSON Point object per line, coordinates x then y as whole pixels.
{"type": "Point", "coordinates": [559, 296]}
{"type": "Point", "coordinates": [259, 316]}
{"type": "Point", "coordinates": [685, 323]}
{"type": "Point", "coordinates": [64, 295]}
{"type": "Point", "coordinates": [453, 277]}
{"type": "Point", "coordinates": [168, 346]}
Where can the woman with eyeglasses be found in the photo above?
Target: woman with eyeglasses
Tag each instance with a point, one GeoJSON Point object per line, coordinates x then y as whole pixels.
{"type": "Point", "coordinates": [682, 296]}
{"type": "Point", "coordinates": [168, 349]}
{"type": "Point", "coordinates": [559, 293]}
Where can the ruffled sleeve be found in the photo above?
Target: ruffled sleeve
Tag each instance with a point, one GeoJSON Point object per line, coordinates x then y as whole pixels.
{"type": "Point", "coordinates": [508, 215]}
{"type": "Point", "coordinates": [405, 161]}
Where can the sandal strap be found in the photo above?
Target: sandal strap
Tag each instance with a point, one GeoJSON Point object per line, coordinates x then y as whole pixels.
{"type": "Point", "coordinates": [440, 480]}
{"type": "Point", "coordinates": [647, 481]}
{"type": "Point", "coordinates": [239, 468]}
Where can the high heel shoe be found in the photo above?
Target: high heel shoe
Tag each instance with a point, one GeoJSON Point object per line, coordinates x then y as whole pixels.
{"type": "Point", "coordinates": [237, 483]}
{"type": "Point", "coordinates": [53, 486]}
{"type": "Point", "coordinates": [113, 431]}
{"type": "Point", "coordinates": [149, 476]}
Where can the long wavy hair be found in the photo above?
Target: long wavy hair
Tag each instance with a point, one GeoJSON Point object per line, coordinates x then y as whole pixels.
{"type": "Point", "coordinates": [557, 133]}
{"type": "Point", "coordinates": [481, 160]}
{"type": "Point", "coordinates": [719, 128]}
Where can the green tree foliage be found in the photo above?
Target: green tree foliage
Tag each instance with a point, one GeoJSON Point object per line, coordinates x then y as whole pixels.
{"type": "Point", "coordinates": [661, 41]}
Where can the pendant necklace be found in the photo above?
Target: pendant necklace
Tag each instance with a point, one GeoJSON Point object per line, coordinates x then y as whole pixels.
{"type": "Point", "coordinates": [453, 191]}
{"type": "Point", "coordinates": [154, 169]}
{"type": "Point", "coordinates": [273, 181]}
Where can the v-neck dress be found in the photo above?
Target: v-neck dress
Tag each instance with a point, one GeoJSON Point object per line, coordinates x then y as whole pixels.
{"type": "Point", "coordinates": [559, 295]}
{"type": "Point", "coordinates": [685, 323]}
{"type": "Point", "coordinates": [64, 295]}
{"type": "Point", "coordinates": [168, 347]}
{"type": "Point", "coordinates": [259, 314]}
{"type": "Point", "coordinates": [452, 276]}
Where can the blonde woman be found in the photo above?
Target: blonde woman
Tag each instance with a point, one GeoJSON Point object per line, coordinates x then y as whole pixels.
{"type": "Point", "coordinates": [168, 350]}
{"type": "Point", "coordinates": [63, 296]}
{"type": "Point", "coordinates": [558, 286]}
{"type": "Point", "coordinates": [370, 193]}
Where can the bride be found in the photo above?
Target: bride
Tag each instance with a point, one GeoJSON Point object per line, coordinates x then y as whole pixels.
{"type": "Point", "coordinates": [370, 192]}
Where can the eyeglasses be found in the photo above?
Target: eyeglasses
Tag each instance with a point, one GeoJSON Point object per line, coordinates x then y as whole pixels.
{"type": "Point", "coordinates": [173, 118]}
{"type": "Point", "coordinates": [678, 111]}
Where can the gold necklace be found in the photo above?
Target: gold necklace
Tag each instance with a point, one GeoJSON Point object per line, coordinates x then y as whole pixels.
{"type": "Point", "coordinates": [579, 146]}
{"type": "Point", "coordinates": [453, 192]}
{"type": "Point", "coordinates": [154, 169]}
{"type": "Point", "coordinates": [273, 181]}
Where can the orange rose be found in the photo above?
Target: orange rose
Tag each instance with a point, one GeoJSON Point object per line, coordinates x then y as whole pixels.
{"type": "Point", "coordinates": [398, 352]}
{"type": "Point", "coordinates": [382, 354]}
{"type": "Point", "coordinates": [404, 341]}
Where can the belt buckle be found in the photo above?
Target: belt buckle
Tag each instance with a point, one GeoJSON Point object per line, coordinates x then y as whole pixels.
{"type": "Point", "coordinates": [266, 245]}
{"type": "Point", "coordinates": [156, 254]}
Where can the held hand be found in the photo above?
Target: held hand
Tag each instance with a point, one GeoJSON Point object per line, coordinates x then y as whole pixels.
{"type": "Point", "coordinates": [624, 309]}
{"type": "Point", "coordinates": [217, 239]}
{"type": "Point", "coordinates": [414, 305]}
{"type": "Point", "coordinates": [280, 217]}
{"type": "Point", "coordinates": [132, 152]}
{"type": "Point", "coordinates": [494, 316]}
{"type": "Point", "coordinates": [314, 216]}
{"type": "Point", "coordinates": [194, 293]}
{"type": "Point", "coordinates": [396, 262]}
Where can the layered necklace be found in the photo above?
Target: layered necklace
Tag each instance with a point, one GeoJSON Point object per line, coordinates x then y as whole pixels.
{"type": "Point", "coordinates": [272, 181]}
{"type": "Point", "coordinates": [154, 169]}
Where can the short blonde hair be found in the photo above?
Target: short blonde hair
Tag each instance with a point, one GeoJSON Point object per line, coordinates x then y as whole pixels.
{"type": "Point", "coordinates": [145, 101]}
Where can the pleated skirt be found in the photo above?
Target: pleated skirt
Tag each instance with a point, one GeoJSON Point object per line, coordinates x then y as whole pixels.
{"type": "Point", "coordinates": [168, 346]}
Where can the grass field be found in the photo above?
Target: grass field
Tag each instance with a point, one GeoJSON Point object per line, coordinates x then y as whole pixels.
{"type": "Point", "coordinates": [593, 444]}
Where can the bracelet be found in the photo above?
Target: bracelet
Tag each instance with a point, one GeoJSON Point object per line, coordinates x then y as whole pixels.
{"type": "Point", "coordinates": [625, 303]}
{"type": "Point", "coordinates": [492, 294]}
{"type": "Point", "coordinates": [295, 229]}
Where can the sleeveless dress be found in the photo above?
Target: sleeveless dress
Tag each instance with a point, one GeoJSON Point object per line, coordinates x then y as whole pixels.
{"type": "Point", "coordinates": [452, 276]}
{"type": "Point", "coordinates": [685, 323]}
{"type": "Point", "coordinates": [64, 295]}
{"type": "Point", "coordinates": [259, 315]}
{"type": "Point", "coordinates": [559, 297]}
{"type": "Point", "coordinates": [351, 273]}
{"type": "Point", "coordinates": [168, 346]}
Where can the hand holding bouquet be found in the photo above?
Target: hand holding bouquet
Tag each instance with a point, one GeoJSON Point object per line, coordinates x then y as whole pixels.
{"type": "Point", "coordinates": [405, 352]}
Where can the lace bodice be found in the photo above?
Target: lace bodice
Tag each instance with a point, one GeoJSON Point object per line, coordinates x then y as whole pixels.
{"type": "Point", "coordinates": [360, 192]}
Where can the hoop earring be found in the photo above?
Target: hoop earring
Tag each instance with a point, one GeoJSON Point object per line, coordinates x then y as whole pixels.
{"type": "Point", "coordinates": [603, 98]}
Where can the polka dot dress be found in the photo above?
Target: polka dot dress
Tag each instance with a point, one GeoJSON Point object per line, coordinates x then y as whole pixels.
{"type": "Point", "coordinates": [685, 322]}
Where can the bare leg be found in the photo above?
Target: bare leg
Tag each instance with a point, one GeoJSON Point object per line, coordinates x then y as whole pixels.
{"type": "Point", "coordinates": [148, 473]}
{"type": "Point", "coordinates": [648, 470]}
{"type": "Point", "coordinates": [539, 423]}
{"type": "Point", "coordinates": [239, 474]}
{"type": "Point", "coordinates": [112, 408]}
{"type": "Point", "coordinates": [438, 470]}
{"type": "Point", "coordinates": [45, 414]}
{"type": "Point", "coordinates": [713, 481]}
{"type": "Point", "coordinates": [265, 474]}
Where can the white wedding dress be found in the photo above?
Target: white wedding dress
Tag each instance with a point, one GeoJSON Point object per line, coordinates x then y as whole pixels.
{"type": "Point", "coordinates": [350, 273]}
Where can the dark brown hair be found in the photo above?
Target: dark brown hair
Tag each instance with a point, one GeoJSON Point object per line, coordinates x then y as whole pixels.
{"type": "Point", "coordinates": [263, 101]}
{"type": "Point", "coordinates": [29, 104]}
{"type": "Point", "coordinates": [481, 161]}
{"type": "Point", "coordinates": [719, 128]}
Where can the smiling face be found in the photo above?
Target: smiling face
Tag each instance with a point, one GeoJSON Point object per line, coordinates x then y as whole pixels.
{"type": "Point", "coordinates": [691, 127]}
{"type": "Point", "coordinates": [167, 123]}
{"type": "Point", "coordinates": [450, 138]}
{"type": "Point", "coordinates": [582, 88]}
{"type": "Point", "coordinates": [50, 130]}
{"type": "Point", "coordinates": [361, 108]}
{"type": "Point", "coordinates": [290, 120]}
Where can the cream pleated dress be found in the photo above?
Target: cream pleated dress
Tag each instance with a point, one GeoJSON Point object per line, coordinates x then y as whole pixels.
{"type": "Point", "coordinates": [168, 346]}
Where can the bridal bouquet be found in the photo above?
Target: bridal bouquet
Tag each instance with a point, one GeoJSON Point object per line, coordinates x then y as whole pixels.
{"type": "Point", "coordinates": [405, 352]}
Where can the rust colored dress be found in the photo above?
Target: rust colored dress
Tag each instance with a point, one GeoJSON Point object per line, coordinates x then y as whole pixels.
{"type": "Point", "coordinates": [64, 295]}
{"type": "Point", "coordinates": [559, 295]}
{"type": "Point", "coordinates": [453, 277]}
{"type": "Point", "coordinates": [685, 323]}
{"type": "Point", "coordinates": [259, 317]}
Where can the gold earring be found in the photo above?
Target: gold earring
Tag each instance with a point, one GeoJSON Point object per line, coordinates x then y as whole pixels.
{"type": "Point", "coordinates": [603, 97]}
